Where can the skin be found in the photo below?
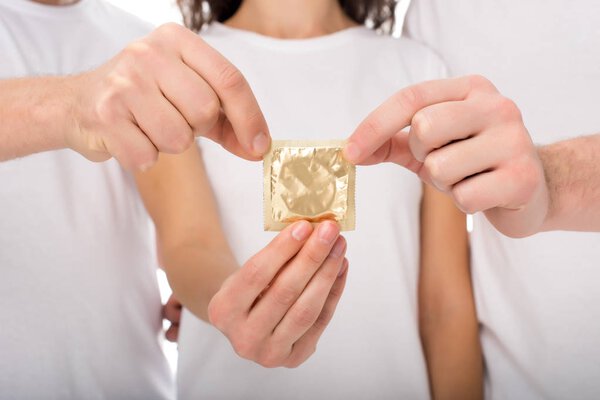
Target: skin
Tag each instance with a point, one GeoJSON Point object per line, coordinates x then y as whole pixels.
{"type": "Point", "coordinates": [573, 178]}
{"type": "Point", "coordinates": [275, 306]}
{"type": "Point", "coordinates": [448, 323]}
{"type": "Point", "coordinates": [467, 140]}
{"type": "Point", "coordinates": [154, 96]}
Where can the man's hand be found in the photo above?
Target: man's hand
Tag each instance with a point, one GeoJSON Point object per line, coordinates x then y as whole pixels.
{"type": "Point", "coordinates": [466, 139]}
{"type": "Point", "coordinates": [159, 93]}
{"type": "Point", "coordinates": [275, 308]}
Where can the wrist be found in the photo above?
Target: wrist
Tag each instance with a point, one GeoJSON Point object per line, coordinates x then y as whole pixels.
{"type": "Point", "coordinates": [553, 170]}
{"type": "Point", "coordinates": [68, 107]}
{"type": "Point", "coordinates": [51, 111]}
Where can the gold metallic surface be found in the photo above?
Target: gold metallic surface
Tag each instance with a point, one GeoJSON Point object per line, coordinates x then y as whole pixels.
{"type": "Point", "coordinates": [308, 181]}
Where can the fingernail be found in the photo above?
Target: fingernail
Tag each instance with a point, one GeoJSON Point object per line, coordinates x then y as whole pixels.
{"type": "Point", "coordinates": [338, 248]}
{"type": "Point", "coordinates": [260, 144]}
{"type": "Point", "coordinates": [352, 152]}
{"type": "Point", "coordinates": [301, 231]}
{"type": "Point", "coordinates": [328, 231]}
{"type": "Point", "coordinates": [344, 268]}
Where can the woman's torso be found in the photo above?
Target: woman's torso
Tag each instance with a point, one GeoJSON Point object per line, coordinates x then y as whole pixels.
{"type": "Point", "coordinates": [321, 89]}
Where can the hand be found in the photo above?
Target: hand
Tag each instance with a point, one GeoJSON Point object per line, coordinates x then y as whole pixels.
{"type": "Point", "coordinates": [467, 140]}
{"type": "Point", "coordinates": [172, 313]}
{"type": "Point", "coordinates": [275, 308]}
{"type": "Point", "coordinates": [159, 93]}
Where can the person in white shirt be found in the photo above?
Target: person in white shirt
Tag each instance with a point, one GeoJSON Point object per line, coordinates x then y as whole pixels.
{"type": "Point", "coordinates": [537, 298]}
{"type": "Point", "coordinates": [80, 305]}
{"type": "Point", "coordinates": [316, 72]}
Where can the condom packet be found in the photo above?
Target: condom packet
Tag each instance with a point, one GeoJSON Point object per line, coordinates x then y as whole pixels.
{"type": "Point", "coordinates": [308, 180]}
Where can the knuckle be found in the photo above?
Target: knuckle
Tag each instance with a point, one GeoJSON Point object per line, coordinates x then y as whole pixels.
{"type": "Point", "coordinates": [421, 128]}
{"type": "Point", "coordinates": [207, 114]}
{"type": "Point", "coordinates": [230, 78]}
{"type": "Point", "coordinates": [182, 141]}
{"type": "Point", "coordinates": [144, 158]}
{"type": "Point", "coordinates": [139, 51]}
{"type": "Point", "coordinates": [517, 142]}
{"type": "Point", "coordinates": [305, 316]}
{"type": "Point", "coordinates": [409, 98]}
{"type": "Point", "coordinates": [111, 100]}
{"type": "Point", "coordinates": [284, 295]}
{"type": "Point", "coordinates": [323, 319]}
{"type": "Point", "coordinates": [335, 293]}
{"type": "Point", "coordinates": [480, 82]}
{"type": "Point", "coordinates": [530, 178]}
{"type": "Point", "coordinates": [169, 29]}
{"type": "Point", "coordinates": [215, 312]}
{"type": "Point", "coordinates": [253, 274]}
{"type": "Point", "coordinates": [255, 117]}
{"type": "Point", "coordinates": [433, 165]}
{"type": "Point", "coordinates": [272, 358]}
{"type": "Point", "coordinates": [105, 110]}
{"type": "Point", "coordinates": [463, 200]}
{"type": "Point", "coordinates": [507, 109]}
{"type": "Point", "coordinates": [243, 347]}
{"type": "Point", "coordinates": [315, 255]}
{"type": "Point", "coordinates": [247, 343]}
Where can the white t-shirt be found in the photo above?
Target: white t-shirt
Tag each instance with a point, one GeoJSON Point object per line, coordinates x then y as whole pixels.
{"type": "Point", "coordinates": [538, 299]}
{"type": "Point", "coordinates": [321, 89]}
{"type": "Point", "coordinates": [79, 308]}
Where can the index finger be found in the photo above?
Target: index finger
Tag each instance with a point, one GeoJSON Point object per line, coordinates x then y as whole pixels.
{"type": "Point", "coordinates": [234, 92]}
{"type": "Point", "coordinates": [257, 273]}
{"type": "Point", "coordinates": [397, 112]}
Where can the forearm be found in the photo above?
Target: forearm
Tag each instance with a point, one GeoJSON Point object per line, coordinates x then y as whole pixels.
{"type": "Point", "coordinates": [450, 338]}
{"type": "Point", "coordinates": [572, 169]}
{"type": "Point", "coordinates": [34, 114]}
{"type": "Point", "coordinates": [196, 274]}
{"type": "Point", "coordinates": [448, 322]}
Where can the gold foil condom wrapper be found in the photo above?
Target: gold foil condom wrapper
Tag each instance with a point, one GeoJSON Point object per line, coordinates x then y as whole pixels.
{"type": "Point", "coordinates": [308, 180]}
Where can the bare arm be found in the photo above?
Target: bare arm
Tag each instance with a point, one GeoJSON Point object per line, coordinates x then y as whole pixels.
{"type": "Point", "coordinates": [191, 244]}
{"type": "Point", "coordinates": [572, 169]}
{"type": "Point", "coordinates": [275, 307]}
{"type": "Point", "coordinates": [447, 317]}
{"type": "Point", "coordinates": [34, 114]}
{"type": "Point", "coordinates": [154, 96]}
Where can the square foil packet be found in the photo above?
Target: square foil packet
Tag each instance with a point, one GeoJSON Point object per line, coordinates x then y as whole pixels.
{"type": "Point", "coordinates": [308, 180]}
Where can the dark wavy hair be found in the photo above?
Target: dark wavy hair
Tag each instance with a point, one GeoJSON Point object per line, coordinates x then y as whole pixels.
{"type": "Point", "coordinates": [377, 14]}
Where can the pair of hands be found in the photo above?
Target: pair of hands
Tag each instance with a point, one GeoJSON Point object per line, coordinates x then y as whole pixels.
{"type": "Point", "coordinates": [465, 138]}
{"type": "Point", "coordinates": [275, 307]}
